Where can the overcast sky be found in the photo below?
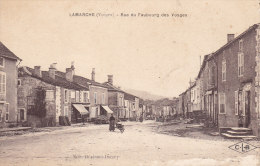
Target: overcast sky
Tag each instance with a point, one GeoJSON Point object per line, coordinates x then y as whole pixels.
{"type": "Point", "coordinates": [158, 55]}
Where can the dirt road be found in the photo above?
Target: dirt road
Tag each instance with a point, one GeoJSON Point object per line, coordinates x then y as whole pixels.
{"type": "Point", "coordinates": [138, 145]}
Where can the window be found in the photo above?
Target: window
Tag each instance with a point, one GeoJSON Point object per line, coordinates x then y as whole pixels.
{"type": "Point", "coordinates": [224, 65]}
{"type": "Point", "coordinates": [88, 97]}
{"type": "Point", "coordinates": [222, 103]}
{"type": "Point", "coordinates": [66, 95]}
{"type": "Point", "coordinates": [77, 96]}
{"type": "Point", "coordinates": [49, 95]}
{"type": "Point", "coordinates": [19, 82]}
{"type": "Point", "coordinates": [2, 83]}
{"type": "Point", "coordinates": [236, 102]}
{"type": "Point", "coordinates": [258, 105]}
{"type": "Point", "coordinates": [66, 111]}
{"type": "Point", "coordinates": [2, 62]}
{"type": "Point", "coordinates": [7, 112]}
{"type": "Point", "coordinates": [73, 94]}
{"type": "Point", "coordinates": [240, 45]}
{"type": "Point", "coordinates": [85, 97]}
{"type": "Point", "coordinates": [258, 46]}
{"type": "Point", "coordinates": [212, 74]}
{"type": "Point", "coordinates": [120, 102]}
{"type": "Point", "coordinates": [22, 114]}
{"type": "Point", "coordinates": [1, 112]}
{"type": "Point", "coordinates": [103, 98]}
{"type": "Point", "coordinates": [95, 97]}
{"type": "Point", "coordinates": [240, 64]}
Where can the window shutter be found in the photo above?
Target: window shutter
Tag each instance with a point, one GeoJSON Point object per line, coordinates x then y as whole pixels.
{"type": "Point", "coordinates": [242, 63]}
{"type": "Point", "coordinates": [236, 102]}
{"type": "Point", "coordinates": [243, 102]}
{"type": "Point", "coordinates": [1, 89]}
{"type": "Point", "coordinates": [238, 64]}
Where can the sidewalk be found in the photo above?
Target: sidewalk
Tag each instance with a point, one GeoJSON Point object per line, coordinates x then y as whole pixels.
{"type": "Point", "coordinates": [15, 129]}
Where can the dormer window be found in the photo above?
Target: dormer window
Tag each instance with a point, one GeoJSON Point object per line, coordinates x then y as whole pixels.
{"type": "Point", "coordinates": [2, 62]}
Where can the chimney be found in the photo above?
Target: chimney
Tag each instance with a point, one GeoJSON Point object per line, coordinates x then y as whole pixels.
{"type": "Point", "coordinates": [230, 37]}
{"type": "Point", "coordinates": [110, 79]}
{"type": "Point", "coordinates": [37, 71]}
{"type": "Point", "coordinates": [69, 74]}
{"type": "Point", "coordinates": [93, 74]}
{"type": "Point", "coordinates": [52, 70]}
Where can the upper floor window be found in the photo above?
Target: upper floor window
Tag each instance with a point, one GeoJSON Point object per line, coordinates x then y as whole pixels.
{"type": "Point", "coordinates": [240, 45]}
{"type": "Point", "coordinates": [66, 95]}
{"type": "Point", "coordinates": [258, 46]}
{"type": "Point", "coordinates": [77, 96]}
{"type": "Point", "coordinates": [1, 112]}
{"type": "Point", "coordinates": [103, 98]}
{"type": "Point", "coordinates": [224, 70]}
{"type": "Point", "coordinates": [73, 94]}
{"type": "Point", "coordinates": [95, 97]}
{"type": "Point", "coordinates": [2, 83]}
{"type": "Point", "coordinates": [240, 64]}
{"type": "Point", "coordinates": [2, 62]}
{"type": "Point", "coordinates": [211, 79]}
{"type": "Point", "coordinates": [85, 97]}
{"type": "Point", "coordinates": [49, 95]}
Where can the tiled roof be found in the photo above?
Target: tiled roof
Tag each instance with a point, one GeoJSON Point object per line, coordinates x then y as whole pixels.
{"type": "Point", "coordinates": [5, 52]}
{"type": "Point", "coordinates": [81, 80]}
{"type": "Point", "coordinates": [128, 96]}
{"type": "Point", "coordinates": [253, 27]}
{"type": "Point", "coordinates": [58, 81]}
{"type": "Point", "coordinates": [112, 87]}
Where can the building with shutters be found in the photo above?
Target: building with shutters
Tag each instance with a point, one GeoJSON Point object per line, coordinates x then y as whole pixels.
{"type": "Point", "coordinates": [116, 99]}
{"type": "Point", "coordinates": [238, 80]}
{"type": "Point", "coordinates": [230, 83]}
{"type": "Point", "coordinates": [8, 86]}
{"type": "Point", "coordinates": [62, 95]}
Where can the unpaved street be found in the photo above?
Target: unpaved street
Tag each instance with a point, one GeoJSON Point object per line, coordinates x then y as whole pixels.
{"type": "Point", "coordinates": [138, 145]}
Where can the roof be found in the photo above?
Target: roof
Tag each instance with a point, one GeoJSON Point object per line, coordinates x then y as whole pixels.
{"type": "Point", "coordinates": [5, 52]}
{"type": "Point", "coordinates": [253, 27]}
{"type": "Point", "coordinates": [205, 59]}
{"type": "Point", "coordinates": [81, 80]}
{"type": "Point", "coordinates": [112, 87]}
{"type": "Point", "coordinates": [128, 96]}
{"type": "Point", "coordinates": [58, 81]}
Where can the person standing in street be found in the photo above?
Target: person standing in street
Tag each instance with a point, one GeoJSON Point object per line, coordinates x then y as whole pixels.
{"type": "Point", "coordinates": [112, 123]}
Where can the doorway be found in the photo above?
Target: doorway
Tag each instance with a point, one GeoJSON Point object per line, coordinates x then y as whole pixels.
{"type": "Point", "coordinates": [247, 109]}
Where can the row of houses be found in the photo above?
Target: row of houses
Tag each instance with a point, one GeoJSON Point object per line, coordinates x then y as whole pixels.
{"type": "Point", "coordinates": [227, 87]}
{"type": "Point", "coordinates": [26, 91]}
{"type": "Point", "coordinates": [163, 108]}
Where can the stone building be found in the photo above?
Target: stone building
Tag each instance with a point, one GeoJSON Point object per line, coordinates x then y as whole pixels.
{"type": "Point", "coordinates": [115, 98]}
{"type": "Point", "coordinates": [238, 80]}
{"type": "Point", "coordinates": [59, 95]}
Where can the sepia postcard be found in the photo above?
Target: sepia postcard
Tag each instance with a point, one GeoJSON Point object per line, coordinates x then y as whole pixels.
{"type": "Point", "coordinates": [130, 82]}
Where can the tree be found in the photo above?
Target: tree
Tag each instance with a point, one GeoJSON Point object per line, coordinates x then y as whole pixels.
{"type": "Point", "coordinates": [39, 102]}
